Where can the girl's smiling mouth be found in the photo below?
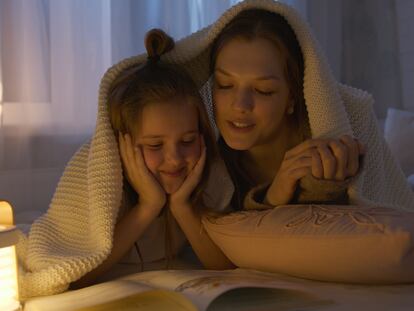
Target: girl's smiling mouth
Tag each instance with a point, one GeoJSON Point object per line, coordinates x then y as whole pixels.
{"type": "Point", "coordinates": [176, 173]}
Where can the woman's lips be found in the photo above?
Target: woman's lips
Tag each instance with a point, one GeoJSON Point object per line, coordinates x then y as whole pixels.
{"type": "Point", "coordinates": [240, 126]}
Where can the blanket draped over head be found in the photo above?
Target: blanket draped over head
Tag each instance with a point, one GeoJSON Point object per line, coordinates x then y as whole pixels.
{"type": "Point", "coordinates": [76, 233]}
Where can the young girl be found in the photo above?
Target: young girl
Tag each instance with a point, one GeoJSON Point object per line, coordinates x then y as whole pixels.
{"type": "Point", "coordinates": [167, 148]}
{"type": "Point", "coordinates": [145, 199]}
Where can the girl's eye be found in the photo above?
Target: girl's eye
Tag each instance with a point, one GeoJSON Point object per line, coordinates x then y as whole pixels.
{"type": "Point", "coordinates": [264, 93]}
{"type": "Point", "coordinates": [188, 141]}
{"type": "Point", "coordinates": [154, 146]}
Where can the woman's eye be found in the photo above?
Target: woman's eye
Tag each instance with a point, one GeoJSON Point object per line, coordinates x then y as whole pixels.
{"type": "Point", "coordinates": [265, 93]}
{"type": "Point", "coordinates": [224, 86]}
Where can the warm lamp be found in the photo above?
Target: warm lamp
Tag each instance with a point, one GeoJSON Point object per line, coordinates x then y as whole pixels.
{"type": "Point", "coordinates": [9, 296]}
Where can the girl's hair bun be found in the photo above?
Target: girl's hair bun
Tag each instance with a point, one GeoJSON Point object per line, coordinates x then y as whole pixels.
{"type": "Point", "coordinates": [157, 43]}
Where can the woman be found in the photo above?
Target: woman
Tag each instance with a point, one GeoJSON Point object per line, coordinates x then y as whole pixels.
{"type": "Point", "coordinates": [289, 133]}
{"type": "Point", "coordinates": [261, 114]}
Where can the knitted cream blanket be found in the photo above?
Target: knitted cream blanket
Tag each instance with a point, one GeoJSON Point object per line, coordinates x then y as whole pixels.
{"type": "Point", "coordinates": [75, 235]}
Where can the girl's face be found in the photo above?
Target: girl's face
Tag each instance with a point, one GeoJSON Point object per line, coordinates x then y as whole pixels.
{"type": "Point", "coordinates": [251, 94]}
{"type": "Point", "coordinates": [170, 140]}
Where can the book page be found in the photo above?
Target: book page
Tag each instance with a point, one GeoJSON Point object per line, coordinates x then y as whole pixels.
{"type": "Point", "coordinates": [154, 300]}
{"type": "Point", "coordinates": [186, 290]}
{"type": "Point", "coordinates": [85, 297]}
{"type": "Point", "coordinates": [202, 287]}
{"type": "Point", "coordinates": [239, 289]}
{"type": "Point", "coordinates": [267, 299]}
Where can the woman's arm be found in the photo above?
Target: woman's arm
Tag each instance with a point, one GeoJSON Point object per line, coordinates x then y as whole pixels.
{"type": "Point", "coordinates": [129, 229]}
{"type": "Point", "coordinates": [206, 250]}
{"type": "Point", "coordinates": [332, 161]}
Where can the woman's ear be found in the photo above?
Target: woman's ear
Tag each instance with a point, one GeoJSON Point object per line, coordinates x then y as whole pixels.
{"type": "Point", "coordinates": [291, 107]}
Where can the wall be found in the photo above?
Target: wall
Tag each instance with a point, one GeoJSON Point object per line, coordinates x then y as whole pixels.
{"type": "Point", "coordinates": [405, 25]}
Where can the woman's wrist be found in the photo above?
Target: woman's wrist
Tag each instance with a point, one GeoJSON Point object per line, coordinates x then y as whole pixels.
{"type": "Point", "coordinates": [275, 196]}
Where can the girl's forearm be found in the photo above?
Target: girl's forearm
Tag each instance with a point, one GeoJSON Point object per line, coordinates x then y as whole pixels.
{"type": "Point", "coordinates": [129, 229]}
{"type": "Point", "coordinates": [206, 250]}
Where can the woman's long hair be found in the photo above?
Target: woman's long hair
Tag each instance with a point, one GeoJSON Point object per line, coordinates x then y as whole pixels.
{"type": "Point", "coordinates": [249, 25]}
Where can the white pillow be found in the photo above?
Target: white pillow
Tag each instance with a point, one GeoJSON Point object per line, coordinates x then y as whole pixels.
{"type": "Point", "coordinates": [399, 134]}
{"type": "Point", "coordinates": [334, 243]}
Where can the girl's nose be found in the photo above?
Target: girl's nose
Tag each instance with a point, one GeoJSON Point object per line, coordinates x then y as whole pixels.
{"type": "Point", "coordinates": [243, 101]}
{"type": "Point", "coordinates": [174, 156]}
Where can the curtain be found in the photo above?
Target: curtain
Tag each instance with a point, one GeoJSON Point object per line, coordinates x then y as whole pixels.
{"type": "Point", "coordinates": [52, 56]}
{"type": "Point", "coordinates": [369, 45]}
{"type": "Point", "coordinates": [405, 27]}
{"type": "Point", "coordinates": [370, 51]}
{"type": "Point", "coordinates": [54, 52]}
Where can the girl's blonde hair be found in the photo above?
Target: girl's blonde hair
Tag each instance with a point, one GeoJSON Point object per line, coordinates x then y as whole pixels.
{"type": "Point", "coordinates": [151, 83]}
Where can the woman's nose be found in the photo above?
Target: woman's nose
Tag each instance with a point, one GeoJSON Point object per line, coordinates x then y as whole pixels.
{"type": "Point", "coordinates": [243, 101]}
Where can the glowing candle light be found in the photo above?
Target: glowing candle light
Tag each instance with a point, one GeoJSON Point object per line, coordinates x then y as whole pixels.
{"type": "Point", "coordinates": [9, 294]}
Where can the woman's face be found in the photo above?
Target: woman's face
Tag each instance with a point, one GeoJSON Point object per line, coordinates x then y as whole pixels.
{"type": "Point", "coordinates": [170, 140]}
{"type": "Point", "coordinates": [251, 94]}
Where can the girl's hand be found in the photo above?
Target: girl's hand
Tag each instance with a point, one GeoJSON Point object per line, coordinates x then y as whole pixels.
{"type": "Point", "coordinates": [141, 179]}
{"type": "Point", "coordinates": [182, 196]}
{"type": "Point", "coordinates": [331, 159]}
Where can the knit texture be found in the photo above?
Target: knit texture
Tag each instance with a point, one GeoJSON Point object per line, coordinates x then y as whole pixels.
{"type": "Point", "coordinates": [76, 233]}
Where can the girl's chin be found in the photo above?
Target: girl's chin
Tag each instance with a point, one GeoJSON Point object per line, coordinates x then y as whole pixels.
{"type": "Point", "coordinates": [172, 187]}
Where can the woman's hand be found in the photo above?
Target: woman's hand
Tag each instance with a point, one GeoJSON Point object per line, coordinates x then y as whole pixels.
{"type": "Point", "coordinates": [150, 192]}
{"type": "Point", "coordinates": [182, 196]}
{"type": "Point", "coordinates": [336, 159]}
{"type": "Point", "coordinates": [329, 159]}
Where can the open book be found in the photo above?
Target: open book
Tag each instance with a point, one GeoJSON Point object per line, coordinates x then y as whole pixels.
{"type": "Point", "coordinates": [186, 290]}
